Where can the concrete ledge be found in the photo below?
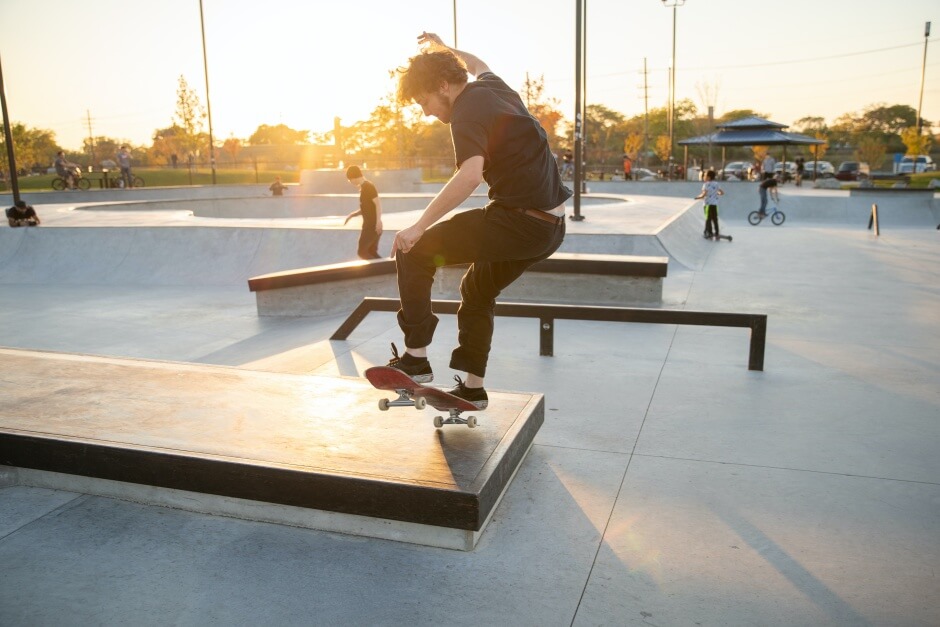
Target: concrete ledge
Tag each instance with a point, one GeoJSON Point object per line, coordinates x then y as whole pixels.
{"type": "Point", "coordinates": [310, 451]}
{"type": "Point", "coordinates": [563, 278]}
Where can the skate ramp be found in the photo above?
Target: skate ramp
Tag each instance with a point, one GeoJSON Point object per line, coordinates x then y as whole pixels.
{"type": "Point", "coordinates": [164, 255]}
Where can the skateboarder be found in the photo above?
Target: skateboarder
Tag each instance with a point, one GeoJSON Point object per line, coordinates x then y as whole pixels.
{"type": "Point", "coordinates": [370, 208]}
{"type": "Point", "coordinates": [495, 140]}
{"type": "Point", "coordinates": [710, 192]}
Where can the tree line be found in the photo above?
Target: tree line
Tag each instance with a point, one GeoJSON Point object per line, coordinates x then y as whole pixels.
{"type": "Point", "coordinates": [398, 136]}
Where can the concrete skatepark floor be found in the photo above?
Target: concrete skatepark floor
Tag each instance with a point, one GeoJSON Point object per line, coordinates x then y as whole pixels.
{"type": "Point", "coordinates": [669, 485]}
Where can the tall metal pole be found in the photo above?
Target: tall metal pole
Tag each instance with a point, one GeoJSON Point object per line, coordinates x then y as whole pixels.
{"type": "Point", "coordinates": [672, 80]}
{"type": "Point", "coordinates": [455, 23]}
{"type": "Point", "coordinates": [578, 121]}
{"type": "Point", "coordinates": [8, 139]}
{"type": "Point", "coordinates": [923, 71]}
{"type": "Point", "coordinates": [205, 66]}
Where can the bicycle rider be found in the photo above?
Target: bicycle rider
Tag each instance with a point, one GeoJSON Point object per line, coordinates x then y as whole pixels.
{"type": "Point", "coordinates": [768, 184]}
{"type": "Point", "coordinates": [65, 169]}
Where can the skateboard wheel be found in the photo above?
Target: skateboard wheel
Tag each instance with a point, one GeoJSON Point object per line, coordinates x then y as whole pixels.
{"type": "Point", "coordinates": [472, 422]}
{"type": "Point", "coordinates": [438, 421]}
{"type": "Point", "coordinates": [421, 402]}
{"type": "Point", "coordinates": [383, 404]}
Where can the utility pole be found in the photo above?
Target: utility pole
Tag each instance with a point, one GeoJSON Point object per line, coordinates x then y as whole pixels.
{"type": "Point", "coordinates": [646, 113]}
{"type": "Point", "coordinates": [91, 137]}
{"type": "Point", "coordinates": [205, 67]}
{"type": "Point", "coordinates": [923, 71]}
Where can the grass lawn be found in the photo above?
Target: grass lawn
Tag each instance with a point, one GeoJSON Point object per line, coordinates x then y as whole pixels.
{"type": "Point", "coordinates": [168, 177]}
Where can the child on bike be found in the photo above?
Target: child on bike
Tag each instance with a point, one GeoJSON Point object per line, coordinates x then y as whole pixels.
{"type": "Point", "coordinates": [710, 192]}
{"type": "Point", "coordinates": [765, 185]}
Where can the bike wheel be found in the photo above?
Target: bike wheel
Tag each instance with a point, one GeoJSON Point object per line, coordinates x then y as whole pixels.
{"type": "Point", "coordinates": [778, 217]}
{"type": "Point", "coordinates": [137, 182]}
{"type": "Point", "coordinates": [754, 218]}
{"type": "Point", "coordinates": [83, 184]}
{"type": "Point", "coordinates": [58, 184]}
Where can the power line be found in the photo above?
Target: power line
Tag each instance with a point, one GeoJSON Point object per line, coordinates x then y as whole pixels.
{"type": "Point", "coordinates": [776, 63]}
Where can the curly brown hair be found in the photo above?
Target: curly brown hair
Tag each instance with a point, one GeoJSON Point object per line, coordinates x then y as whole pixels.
{"type": "Point", "coordinates": [426, 72]}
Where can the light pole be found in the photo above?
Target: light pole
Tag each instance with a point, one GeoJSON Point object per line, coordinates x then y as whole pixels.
{"type": "Point", "coordinates": [455, 23]}
{"type": "Point", "coordinates": [923, 70]}
{"type": "Point", "coordinates": [205, 66]}
{"type": "Point", "coordinates": [8, 140]}
{"type": "Point", "coordinates": [579, 94]}
{"type": "Point", "coordinates": [671, 112]}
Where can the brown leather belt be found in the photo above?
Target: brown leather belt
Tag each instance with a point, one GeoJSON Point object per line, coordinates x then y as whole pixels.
{"type": "Point", "coordinates": [541, 215]}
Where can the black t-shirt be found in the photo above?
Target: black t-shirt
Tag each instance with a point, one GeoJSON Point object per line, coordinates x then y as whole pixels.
{"type": "Point", "coordinates": [367, 195]}
{"type": "Point", "coordinates": [21, 214]}
{"type": "Point", "coordinates": [490, 120]}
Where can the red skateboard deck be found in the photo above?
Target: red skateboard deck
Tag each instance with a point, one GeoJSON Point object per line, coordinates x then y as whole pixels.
{"type": "Point", "coordinates": [414, 394]}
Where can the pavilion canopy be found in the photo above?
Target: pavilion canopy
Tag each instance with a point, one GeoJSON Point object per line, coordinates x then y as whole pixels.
{"type": "Point", "coordinates": [752, 131]}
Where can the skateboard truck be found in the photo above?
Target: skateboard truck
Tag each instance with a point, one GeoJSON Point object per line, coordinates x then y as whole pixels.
{"type": "Point", "coordinates": [413, 394]}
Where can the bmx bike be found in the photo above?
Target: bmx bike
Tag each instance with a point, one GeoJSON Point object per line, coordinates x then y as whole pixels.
{"type": "Point", "coordinates": [59, 183]}
{"type": "Point", "coordinates": [776, 216]}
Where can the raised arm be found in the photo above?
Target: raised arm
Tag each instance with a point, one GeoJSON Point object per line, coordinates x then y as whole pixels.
{"type": "Point", "coordinates": [474, 65]}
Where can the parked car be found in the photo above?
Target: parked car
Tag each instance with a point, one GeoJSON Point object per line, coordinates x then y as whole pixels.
{"type": "Point", "coordinates": [853, 171]}
{"type": "Point", "coordinates": [913, 165]}
{"type": "Point", "coordinates": [791, 171]}
{"type": "Point", "coordinates": [643, 174]}
{"type": "Point", "coordinates": [824, 170]}
{"type": "Point", "coordinates": [736, 170]}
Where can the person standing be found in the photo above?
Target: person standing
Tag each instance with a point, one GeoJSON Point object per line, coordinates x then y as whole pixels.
{"type": "Point", "coordinates": [495, 140]}
{"type": "Point", "coordinates": [627, 167]}
{"type": "Point", "coordinates": [124, 162]}
{"type": "Point", "coordinates": [370, 208]}
{"type": "Point", "coordinates": [800, 168]}
{"type": "Point", "coordinates": [710, 192]}
{"type": "Point", "coordinates": [277, 188]}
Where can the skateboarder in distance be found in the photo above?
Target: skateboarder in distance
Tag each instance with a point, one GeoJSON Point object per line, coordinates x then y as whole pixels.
{"type": "Point", "coordinates": [710, 192]}
{"type": "Point", "coordinates": [370, 208]}
{"type": "Point", "coordinates": [495, 140]}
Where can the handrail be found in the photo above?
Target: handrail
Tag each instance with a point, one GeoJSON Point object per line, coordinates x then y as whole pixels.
{"type": "Point", "coordinates": [548, 313]}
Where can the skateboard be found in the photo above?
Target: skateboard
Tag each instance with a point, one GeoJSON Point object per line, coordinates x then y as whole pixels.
{"type": "Point", "coordinates": [727, 237]}
{"type": "Point", "coordinates": [413, 394]}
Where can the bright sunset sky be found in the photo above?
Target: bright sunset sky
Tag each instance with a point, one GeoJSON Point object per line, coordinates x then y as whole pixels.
{"type": "Point", "coordinates": [302, 62]}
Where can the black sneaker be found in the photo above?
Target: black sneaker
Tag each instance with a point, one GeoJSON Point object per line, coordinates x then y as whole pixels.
{"type": "Point", "coordinates": [477, 396]}
{"type": "Point", "coordinates": [418, 368]}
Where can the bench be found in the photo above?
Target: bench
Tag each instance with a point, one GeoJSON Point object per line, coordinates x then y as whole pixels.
{"type": "Point", "coordinates": [562, 278]}
{"type": "Point", "coordinates": [548, 313]}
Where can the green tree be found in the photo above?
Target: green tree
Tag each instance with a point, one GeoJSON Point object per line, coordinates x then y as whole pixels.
{"type": "Point", "coordinates": [231, 147]}
{"type": "Point", "coordinates": [740, 114]}
{"type": "Point", "coordinates": [811, 125]}
{"type": "Point", "coordinates": [188, 118]}
{"type": "Point", "coordinates": [543, 109]}
{"type": "Point", "coordinates": [166, 143]}
{"type": "Point", "coordinates": [33, 147]}
{"type": "Point", "coordinates": [870, 151]}
{"type": "Point", "coordinates": [915, 143]}
{"type": "Point", "coordinates": [278, 135]}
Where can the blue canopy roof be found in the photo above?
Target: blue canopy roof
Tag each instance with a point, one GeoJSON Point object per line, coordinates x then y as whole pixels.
{"type": "Point", "coordinates": [752, 131]}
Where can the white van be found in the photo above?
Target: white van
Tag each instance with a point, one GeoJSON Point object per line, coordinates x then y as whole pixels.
{"type": "Point", "coordinates": [914, 165]}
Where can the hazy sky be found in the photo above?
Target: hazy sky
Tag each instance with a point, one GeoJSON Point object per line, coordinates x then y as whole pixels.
{"type": "Point", "coordinates": [302, 62]}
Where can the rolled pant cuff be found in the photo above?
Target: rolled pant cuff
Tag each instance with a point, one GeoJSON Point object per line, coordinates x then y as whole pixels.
{"type": "Point", "coordinates": [462, 363]}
